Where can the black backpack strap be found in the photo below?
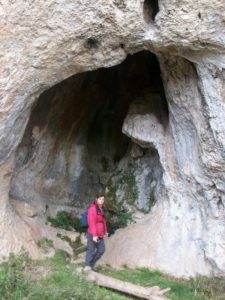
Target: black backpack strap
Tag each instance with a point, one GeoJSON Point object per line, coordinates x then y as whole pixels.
{"type": "Point", "coordinates": [98, 210]}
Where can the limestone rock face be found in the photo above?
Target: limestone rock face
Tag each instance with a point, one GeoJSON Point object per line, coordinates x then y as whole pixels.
{"type": "Point", "coordinates": [177, 130]}
{"type": "Point", "coordinates": [182, 206]}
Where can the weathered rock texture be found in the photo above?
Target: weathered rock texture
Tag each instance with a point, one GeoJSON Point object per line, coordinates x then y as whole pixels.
{"type": "Point", "coordinates": [178, 132]}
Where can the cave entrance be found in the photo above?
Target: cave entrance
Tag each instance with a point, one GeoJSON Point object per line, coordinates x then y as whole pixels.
{"type": "Point", "coordinates": [73, 146]}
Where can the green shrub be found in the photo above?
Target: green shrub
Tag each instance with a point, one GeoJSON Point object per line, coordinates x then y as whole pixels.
{"type": "Point", "coordinates": [127, 180]}
{"type": "Point", "coordinates": [65, 220]}
{"type": "Point", "coordinates": [45, 243]}
{"type": "Point", "coordinates": [122, 219]}
{"type": "Point", "coordinates": [144, 210]}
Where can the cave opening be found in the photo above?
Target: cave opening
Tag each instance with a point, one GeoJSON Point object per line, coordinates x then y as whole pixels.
{"type": "Point", "coordinates": [73, 146]}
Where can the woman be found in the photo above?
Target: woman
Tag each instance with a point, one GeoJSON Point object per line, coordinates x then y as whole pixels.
{"type": "Point", "coordinates": [96, 231]}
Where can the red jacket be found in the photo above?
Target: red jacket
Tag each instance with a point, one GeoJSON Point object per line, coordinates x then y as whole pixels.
{"type": "Point", "coordinates": [96, 221]}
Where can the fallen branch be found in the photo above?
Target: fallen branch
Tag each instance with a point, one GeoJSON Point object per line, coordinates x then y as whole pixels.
{"type": "Point", "coordinates": [151, 293]}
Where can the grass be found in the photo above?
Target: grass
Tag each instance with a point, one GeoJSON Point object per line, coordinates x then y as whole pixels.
{"type": "Point", "coordinates": [19, 281]}
{"type": "Point", "coordinates": [200, 288]}
{"type": "Point", "coordinates": [55, 279]}
{"type": "Point", "coordinates": [13, 285]}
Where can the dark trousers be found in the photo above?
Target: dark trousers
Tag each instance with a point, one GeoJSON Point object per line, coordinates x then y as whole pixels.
{"type": "Point", "coordinates": [94, 250]}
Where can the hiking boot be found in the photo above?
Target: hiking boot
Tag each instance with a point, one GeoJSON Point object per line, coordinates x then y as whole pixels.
{"type": "Point", "coordinates": [94, 269]}
{"type": "Point", "coordinates": [87, 268]}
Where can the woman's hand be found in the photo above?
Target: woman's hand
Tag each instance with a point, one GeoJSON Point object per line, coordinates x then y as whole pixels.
{"type": "Point", "coordinates": [95, 239]}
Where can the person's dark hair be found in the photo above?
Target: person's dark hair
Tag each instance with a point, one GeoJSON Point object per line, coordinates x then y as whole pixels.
{"type": "Point", "coordinates": [99, 196]}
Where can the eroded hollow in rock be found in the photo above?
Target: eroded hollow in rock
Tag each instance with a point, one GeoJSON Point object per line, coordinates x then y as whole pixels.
{"type": "Point", "coordinates": [73, 146]}
{"type": "Point", "coordinates": [150, 10]}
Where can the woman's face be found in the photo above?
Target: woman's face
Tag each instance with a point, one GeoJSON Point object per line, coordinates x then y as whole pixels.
{"type": "Point", "coordinates": [100, 201]}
